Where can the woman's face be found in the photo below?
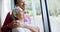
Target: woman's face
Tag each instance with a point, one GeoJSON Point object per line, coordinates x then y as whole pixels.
{"type": "Point", "coordinates": [21, 4]}
{"type": "Point", "coordinates": [20, 15]}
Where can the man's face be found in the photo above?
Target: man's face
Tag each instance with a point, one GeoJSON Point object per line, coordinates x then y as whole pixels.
{"type": "Point", "coordinates": [21, 4]}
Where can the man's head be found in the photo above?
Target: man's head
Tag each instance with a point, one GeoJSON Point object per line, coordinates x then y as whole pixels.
{"type": "Point", "coordinates": [20, 3]}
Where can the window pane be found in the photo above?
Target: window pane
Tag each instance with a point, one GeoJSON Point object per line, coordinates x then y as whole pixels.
{"type": "Point", "coordinates": [34, 10]}
{"type": "Point", "coordinates": [54, 14]}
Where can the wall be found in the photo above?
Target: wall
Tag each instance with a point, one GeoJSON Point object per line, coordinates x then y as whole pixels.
{"type": "Point", "coordinates": [6, 7]}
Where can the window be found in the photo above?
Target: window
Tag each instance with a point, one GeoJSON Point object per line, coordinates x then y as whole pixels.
{"type": "Point", "coordinates": [34, 10]}
{"type": "Point", "coordinates": [37, 11]}
{"type": "Point", "coordinates": [54, 14]}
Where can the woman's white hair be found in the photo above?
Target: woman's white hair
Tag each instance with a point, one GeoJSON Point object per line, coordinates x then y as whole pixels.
{"type": "Point", "coordinates": [15, 12]}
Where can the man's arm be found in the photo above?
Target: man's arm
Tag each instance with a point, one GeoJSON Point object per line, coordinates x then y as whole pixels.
{"type": "Point", "coordinates": [7, 20]}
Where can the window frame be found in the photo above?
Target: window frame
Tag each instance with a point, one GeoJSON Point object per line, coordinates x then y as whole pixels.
{"type": "Point", "coordinates": [45, 16]}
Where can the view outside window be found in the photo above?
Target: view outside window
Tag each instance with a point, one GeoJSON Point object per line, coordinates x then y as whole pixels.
{"type": "Point", "coordinates": [34, 10]}
{"type": "Point", "coordinates": [54, 14]}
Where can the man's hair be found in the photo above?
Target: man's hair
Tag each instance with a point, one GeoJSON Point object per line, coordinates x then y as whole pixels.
{"type": "Point", "coordinates": [15, 2]}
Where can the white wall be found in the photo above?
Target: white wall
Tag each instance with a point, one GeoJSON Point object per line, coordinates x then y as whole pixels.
{"type": "Point", "coordinates": [0, 13]}
{"type": "Point", "coordinates": [0, 9]}
{"type": "Point", "coordinates": [6, 7]}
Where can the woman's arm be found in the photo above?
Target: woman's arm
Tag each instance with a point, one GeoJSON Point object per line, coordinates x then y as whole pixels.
{"type": "Point", "coordinates": [33, 29]}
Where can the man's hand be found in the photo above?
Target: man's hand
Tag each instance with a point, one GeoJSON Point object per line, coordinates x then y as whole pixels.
{"type": "Point", "coordinates": [13, 24]}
